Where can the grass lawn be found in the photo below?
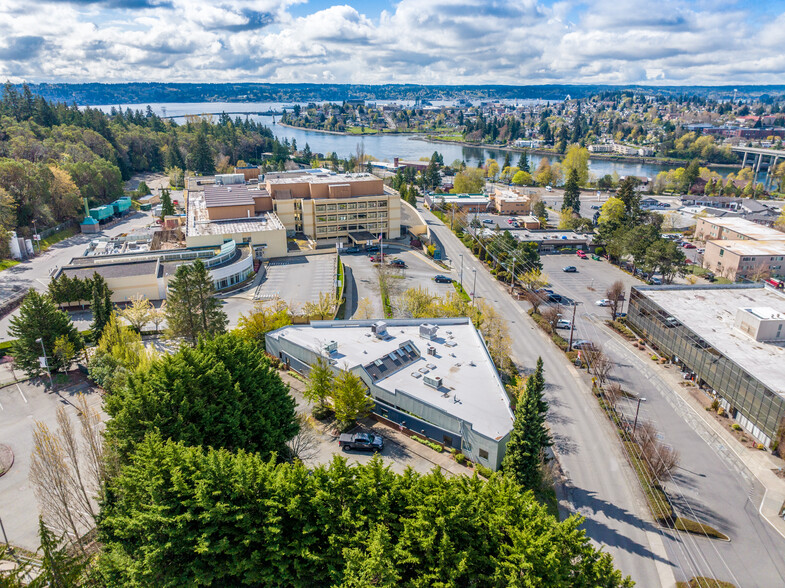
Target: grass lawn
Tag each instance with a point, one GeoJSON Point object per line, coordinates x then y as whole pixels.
{"type": "Point", "coordinates": [57, 237]}
{"type": "Point", "coordinates": [361, 131]}
{"type": "Point", "coordinates": [6, 263]}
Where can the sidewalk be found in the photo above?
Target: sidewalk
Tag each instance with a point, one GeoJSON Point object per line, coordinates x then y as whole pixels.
{"type": "Point", "coordinates": [759, 463]}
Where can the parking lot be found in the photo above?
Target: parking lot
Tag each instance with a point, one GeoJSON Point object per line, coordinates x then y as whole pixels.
{"type": "Point", "coordinates": [363, 279]}
{"type": "Point", "coordinates": [21, 405]}
{"type": "Point", "coordinates": [297, 280]}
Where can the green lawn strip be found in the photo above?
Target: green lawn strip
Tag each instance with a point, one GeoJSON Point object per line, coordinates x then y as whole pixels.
{"type": "Point", "coordinates": [6, 263]}
{"type": "Point", "coordinates": [57, 237]}
{"type": "Point", "coordinates": [435, 446]}
{"type": "Point", "coordinates": [341, 309]}
{"type": "Point", "coordinates": [622, 329]}
{"type": "Point", "coordinates": [462, 291]}
{"type": "Point", "coordinates": [704, 582]}
{"type": "Point", "coordinates": [690, 526]}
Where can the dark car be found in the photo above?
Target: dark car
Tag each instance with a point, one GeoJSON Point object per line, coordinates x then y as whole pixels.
{"type": "Point", "coordinates": [361, 442]}
{"type": "Point", "coordinates": [585, 345]}
{"type": "Point", "coordinates": [352, 250]}
{"type": "Point", "coordinates": [397, 263]}
{"type": "Point", "coordinates": [559, 299]}
{"type": "Point", "coordinates": [569, 269]}
{"type": "Point", "coordinates": [372, 248]}
{"type": "Point", "coordinates": [440, 279]}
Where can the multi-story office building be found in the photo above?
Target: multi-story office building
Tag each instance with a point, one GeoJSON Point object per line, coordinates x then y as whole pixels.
{"type": "Point", "coordinates": [745, 260]}
{"type": "Point", "coordinates": [335, 206]}
{"type": "Point", "coordinates": [435, 378]}
{"type": "Point", "coordinates": [730, 339]}
{"type": "Point", "coordinates": [734, 229]}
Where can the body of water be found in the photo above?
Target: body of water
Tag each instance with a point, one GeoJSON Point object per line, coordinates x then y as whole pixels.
{"type": "Point", "coordinates": [383, 147]}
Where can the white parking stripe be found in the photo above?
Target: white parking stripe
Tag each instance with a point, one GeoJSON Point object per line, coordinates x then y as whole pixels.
{"type": "Point", "coordinates": [22, 394]}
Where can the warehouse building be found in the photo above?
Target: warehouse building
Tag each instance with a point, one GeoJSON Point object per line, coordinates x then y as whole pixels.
{"type": "Point", "coordinates": [435, 378]}
{"type": "Point", "coordinates": [729, 339]}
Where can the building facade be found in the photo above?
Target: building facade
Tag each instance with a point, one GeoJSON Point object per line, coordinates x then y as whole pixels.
{"type": "Point", "coordinates": [734, 229]}
{"type": "Point", "coordinates": [745, 260]}
{"type": "Point", "coordinates": [729, 339]}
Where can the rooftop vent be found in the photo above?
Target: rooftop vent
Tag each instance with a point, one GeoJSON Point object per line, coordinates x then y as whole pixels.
{"type": "Point", "coordinates": [428, 331]}
{"type": "Point", "coordinates": [433, 381]}
{"type": "Point", "coordinates": [379, 328]}
{"type": "Point", "coordinates": [330, 346]}
{"type": "Point", "coordinates": [431, 351]}
{"type": "Point", "coordinates": [416, 375]}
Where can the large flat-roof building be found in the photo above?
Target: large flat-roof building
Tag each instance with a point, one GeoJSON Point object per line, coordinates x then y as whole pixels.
{"type": "Point", "coordinates": [508, 201]}
{"type": "Point", "coordinates": [731, 338]}
{"type": "Point", "coordinates": [432, 376]}
{"type": "Point", "coordinates": [734, 229]}
{"type": "Point", "coordinates": [745, 260]}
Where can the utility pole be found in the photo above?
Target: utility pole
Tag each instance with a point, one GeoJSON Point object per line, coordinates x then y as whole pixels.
{"type": "Point", "coordinates": [635, 422]}
{"type": "Point", "coordinates": [474, 287]}
{"type": "Point", "coordinates": [512, 277]}
{"type": "Point", "coordinates": [46, 363]}
{"type": "Point", "coordinates": [461, 280]}
{"type": "Point", "coordinates": [572, 324]}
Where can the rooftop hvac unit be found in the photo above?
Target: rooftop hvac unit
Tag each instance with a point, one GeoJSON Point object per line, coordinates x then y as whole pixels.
{"type": "Point", "coordinates": [379, 328]}
{"type": "Point", "coordinates": [432, 381]}
{"type": "Point", "coordinates": [331, 346]}
{"type": "Point", "coordinates": [428, 331]}
{"type": "Point", "coordinates": [431, 351]}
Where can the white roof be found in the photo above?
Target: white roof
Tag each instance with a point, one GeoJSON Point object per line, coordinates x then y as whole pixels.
{"type": "Point", "coordinates": [748, 228]}
{"type": "Point", "coordinates": [710, 311]}
{"type": "Point", "coordinates": [482, 400]}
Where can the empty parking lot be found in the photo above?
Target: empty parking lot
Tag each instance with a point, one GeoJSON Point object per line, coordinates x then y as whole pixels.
{"type": "Point", "coordinates": [297, 280]}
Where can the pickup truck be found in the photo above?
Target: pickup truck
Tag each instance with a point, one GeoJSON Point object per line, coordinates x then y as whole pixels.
{"type": "Point", "coordinates": [361, 442]}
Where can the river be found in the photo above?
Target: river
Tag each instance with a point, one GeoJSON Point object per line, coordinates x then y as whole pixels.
{"type": "Point", "coordinates": [383, 147]}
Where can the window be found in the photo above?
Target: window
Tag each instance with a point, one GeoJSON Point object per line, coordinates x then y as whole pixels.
{"type": "Point", "coordinates": [382, 204]}
{"type": "Point", "coordinates": [320, 208]}
{"type": "Point", "coordinates": [447, 440]}
{"type": "Point", "coordinates": [351, 206]}
{"type": "Point", "coordinates": [483, 454]}
{"type": "Point", "coordinates": [331, 207]}
{"type": "Point", "coordinates": [360, 205]}
{"type": "Point", "coordinates": [341, 207]}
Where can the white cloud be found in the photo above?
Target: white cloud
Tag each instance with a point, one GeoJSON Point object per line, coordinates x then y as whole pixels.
{"type": "Point", "coordinates": [416, 41]}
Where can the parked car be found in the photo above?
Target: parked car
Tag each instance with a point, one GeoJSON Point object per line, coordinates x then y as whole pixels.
{"type": "Point", "coordinates": [595, 257]}
{"type": "Point", "coordinates": [701, 250]}
{"type": "Point", "coordinates": [689, 246]}
{"type": "Point", "coordinates": [378, 258]}
{"type": "Point", "coordinates": [373, 248]}
{"type": "Point", "coordinates": [487, 221]}
{"type": "Point", "coordinates": [563, 324]}
{"type": "Point", "coordinates": [582, 255]}
{"type": "Point", "coordinates": [711, 277]}
{"type": "Point", "coordinates": [352, 250]}
{"type": "Point", "coordinates": [548, 189]}
{"type": "Point", "coordinates": [397, 263]}
{"type": "Point", "coordinates": [595, 207]}
{"type": "Point", "coordinates": [585, 345]}
{"type": "Point", "coordinates": [559, 299]}
{"type": "Point", "coordinates": [655, 281]}
{"type": "Point", "coordinates": [570, 269]}
{"type": "Point", "coordinates": [440, 279]}
{"type": "Point", "coordinates": [603, 302]}
{"type": "Point", "coordinates": [361, 442]}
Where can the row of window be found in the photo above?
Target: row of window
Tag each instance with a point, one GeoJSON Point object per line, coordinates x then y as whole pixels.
{"type": "Point", "coordinates": [759, 259]}
{"type": "Point", "coordinates": [331, 218]}
{"type": "Point", "coordinates": [351, 205]}
{"type": "Point", "coordinates": [324, 230]}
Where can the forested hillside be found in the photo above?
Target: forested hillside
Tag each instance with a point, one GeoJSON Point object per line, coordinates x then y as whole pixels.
{"type": "Point", "coordinates": [52, 154]}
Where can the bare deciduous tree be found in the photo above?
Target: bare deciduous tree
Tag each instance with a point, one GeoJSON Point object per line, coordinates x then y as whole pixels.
{"type": "Point", "coordinates": [613, 392]}
{"type": "Point", "coordinates": [551, 316]}
{"type": "Point", "coordinates": [304, 445]}
{"type": "Point", "coordinates": [67, 475]}
{"type": "Point", "coordinates": [662, 459]}
{"type": "Point", "coordinates": [599, 364]}
{"type": "Point", "coordinates": [158, 315]}
{"type": "Point", "coordinates": [616, 295]}
{"type": "Point", "coordinates": [138, 313]}
{"type": "Point", "coordinates": [364, 309]}
{"type": "Point", "coordinates": [534, 298]}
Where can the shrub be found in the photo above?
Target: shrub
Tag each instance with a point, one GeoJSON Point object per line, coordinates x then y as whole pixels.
{"type": "Point", "coordinates": [690, 526]}
{"type": "Point", "coordinates": [322, 412]}
{"type": "Point", "coordinates": [654, 358]}
{"type": "Point", "coordinates": [721, 411]}
{"type": "Point", "coordinates": [460, 458]}
{"type": "Point", "coordinates": [761, 447]}
{"type": "Point", "coordinates": [599, 251]}
{"type": "Point", "coordinates": [715, 404]}
{"type": "Point", "coordinates": [736, 427]}
{"type": "Point", "coordinates": [435, 446]}
{"type": "Point", "coordinates": [483, 471]}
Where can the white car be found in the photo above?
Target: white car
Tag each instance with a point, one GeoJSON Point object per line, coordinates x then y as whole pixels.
{"type": "Point", "coordinates": [603, 302]}
{"type": "Point", "coordinates": [563, 324]}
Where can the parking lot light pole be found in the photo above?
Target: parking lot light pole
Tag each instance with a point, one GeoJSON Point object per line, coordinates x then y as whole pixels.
{"type": "Point", "coordinates": [474, 287]}
{"type": "Point", "coordinates": [461, 280]}
{"type": "Point", "coordinates": [46, 362]}
{"type": "Point", "coordinates": [637, 408]}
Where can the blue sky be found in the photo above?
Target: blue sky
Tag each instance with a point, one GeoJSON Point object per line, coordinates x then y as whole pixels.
{"type": "Point", "coordinates": [407, 41]}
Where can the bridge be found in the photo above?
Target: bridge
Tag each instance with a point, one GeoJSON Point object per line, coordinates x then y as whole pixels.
{"type": "Point", "coordinates": [264, 113]}
{"type": "Point", "coordinates": [758, 154]}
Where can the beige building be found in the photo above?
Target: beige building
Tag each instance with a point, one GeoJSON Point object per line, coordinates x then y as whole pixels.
{"type": "Point", "coordinates": [329, 206]}
{"type": "Point", "coordinates": [507, 201]}
{"type": "Point", "coordinates": [745, 259]}
{"type": "Point", "coordinates": [734, 229]}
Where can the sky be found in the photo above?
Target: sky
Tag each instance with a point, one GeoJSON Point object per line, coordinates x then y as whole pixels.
{"type": "Point", "coordinates": [655, 42]}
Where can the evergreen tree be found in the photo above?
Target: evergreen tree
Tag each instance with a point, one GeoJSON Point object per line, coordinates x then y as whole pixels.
{"type": "Point", "coordinates": [223, 393]}
{"type": "Point", "coordinates": [39, 318]}
{"type": "Point", "coordinates": [202, 157]}
{"type": "Point", "coordinates": [101, 305]}
{"type": "Point", "coordinates": [167, 207]}
{"type": "Point", "coordinates": [530, 436]}
{"type": "Point", "coordinates": [631, 198]}
{"type": "Point", "coordinates": [572, 193]}
{"type": "Point", "coordinates": [507, 160]}
{"type": "Point", "coordinates": [523, 163]}
{"type": "Point", "coordinates": [191, 308]}
{"type": "Point", "coordinates": [174, 157]}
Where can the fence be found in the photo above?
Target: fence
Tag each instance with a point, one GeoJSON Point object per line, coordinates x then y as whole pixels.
{"type": "Point", "coordinates": [52, 230]}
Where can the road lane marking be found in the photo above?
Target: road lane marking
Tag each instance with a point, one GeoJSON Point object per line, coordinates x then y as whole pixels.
{"type": "Point", "coordinates": [22, 393]}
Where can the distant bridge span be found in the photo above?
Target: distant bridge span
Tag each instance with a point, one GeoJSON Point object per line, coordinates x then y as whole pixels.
{"type": "Point", "coordinates": [758, 154]}
{"type": "Point", "coordinates": [264, 113]}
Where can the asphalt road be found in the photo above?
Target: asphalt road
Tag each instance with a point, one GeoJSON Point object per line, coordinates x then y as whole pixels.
{"type": "Point", "coordinates": [710, 485]}
{"type": "Point", "coordinates": [600, 486]}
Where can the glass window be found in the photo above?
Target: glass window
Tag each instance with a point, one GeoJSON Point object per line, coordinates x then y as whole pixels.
{"type": "Point", "coordinates": [361, 205]}
{"type": "Point", "coordinates": [341, 207]}
{"type": "Point", "coordinates": [483, 454]}
{"type": "Point", "coordinates": [383, 214]}
{"type": "Point", "coordinates": [320, 208]}
{"type": "Point", "coordinates": [371, 204]}
{"type": "Point", "coordinates": [352, 206]}
{"type": "Point", "coordinates": [331, 207]}
{"type": "Point", "coordinates": [382, 204]}
{"type": "Point", "coordinates": [341, 217]}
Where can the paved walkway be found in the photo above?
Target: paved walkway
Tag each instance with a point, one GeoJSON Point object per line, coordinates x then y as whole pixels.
{"type": "Point", "coordinates": [760, 463]}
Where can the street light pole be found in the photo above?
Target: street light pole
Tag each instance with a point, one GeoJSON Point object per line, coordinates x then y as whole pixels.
{"type": "Point", "coordinates": [637, 408]}
{"type": "Point", "coordinates": [512, 277]}
{"type": "Point", "coordinates": [461, 280]}
{"type": "Point", "coordinates": [46, 362]}
{"type": "Point", "coordinates": [474, 287]}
